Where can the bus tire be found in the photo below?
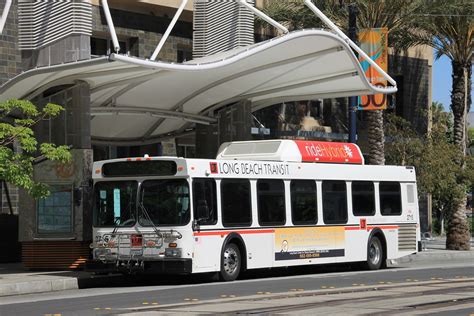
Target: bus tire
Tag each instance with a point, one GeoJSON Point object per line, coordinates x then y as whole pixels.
{"type": "Point", "coordinates": [231, 262]}
{"type": "Point", "coordinates": [375, 255]}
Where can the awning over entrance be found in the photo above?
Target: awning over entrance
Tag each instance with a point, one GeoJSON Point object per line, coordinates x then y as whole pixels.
{"type": "Point", "coordinates": [135, 100]}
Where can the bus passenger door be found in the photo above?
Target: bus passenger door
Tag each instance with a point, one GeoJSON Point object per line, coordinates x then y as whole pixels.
{"type": "Point", "coordinates": [207, 241]}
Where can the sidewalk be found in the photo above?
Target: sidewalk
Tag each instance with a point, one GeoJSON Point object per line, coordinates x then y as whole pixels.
{"type": "Point", "coordinates": [434, 249]}
{"type": "Point", "coordinates": [15, 280]}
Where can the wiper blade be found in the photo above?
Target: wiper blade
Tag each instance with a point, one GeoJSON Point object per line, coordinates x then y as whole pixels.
{"type": "Point", "coordinates": [147, 216]}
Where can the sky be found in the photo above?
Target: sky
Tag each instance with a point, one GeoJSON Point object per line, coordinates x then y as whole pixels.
{"type": "Point", "coordinates": [442, 82]}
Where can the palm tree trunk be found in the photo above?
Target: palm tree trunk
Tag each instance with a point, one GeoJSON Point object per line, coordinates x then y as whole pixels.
{"type": "Point", "coordinates": [460, 102]}
{"type": "Point", "coordinates": [376, 137]}
{"type": "Point", "coordinates": [458, 236]}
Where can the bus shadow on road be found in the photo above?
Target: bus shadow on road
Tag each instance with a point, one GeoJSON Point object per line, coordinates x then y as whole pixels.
{"type": "Point", "coordinates": [123, 280]}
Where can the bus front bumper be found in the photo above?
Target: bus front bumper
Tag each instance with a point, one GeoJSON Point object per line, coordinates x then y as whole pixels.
{"type": "Point", "coordinates": [163, 266]}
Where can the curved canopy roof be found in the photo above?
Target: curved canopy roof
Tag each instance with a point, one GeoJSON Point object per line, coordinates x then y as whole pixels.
{"type": "Point", "coordinates": [135, 100]}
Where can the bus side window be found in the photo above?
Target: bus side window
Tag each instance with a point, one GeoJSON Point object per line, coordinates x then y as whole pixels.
{"type": "Point", "coordinates": [390, 198]}
{"type": "Point", "coordinates": [271, 202]}
{"type": "Point", "coordinates": [334, 202]}
{"type": "Point", "coordinates": [304, 207]}
{"type": "Point", "coordinates": [204, 195]}
{"type": "Point", "coordinates": [363, 198]}
{"type": "Point", "coordinates": [235, 203]}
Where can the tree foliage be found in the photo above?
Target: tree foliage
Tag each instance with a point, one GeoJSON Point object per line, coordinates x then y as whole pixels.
{"type": "Point", "coordinates": [18, 145]}
{"type": "Point", "coordinates": [435, 158]}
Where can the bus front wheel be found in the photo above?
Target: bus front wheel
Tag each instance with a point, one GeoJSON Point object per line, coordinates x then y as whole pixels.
{"type": "Point", "coordinates": [374, 254]}
{"type": "Point", "coordinates": [231, 262]}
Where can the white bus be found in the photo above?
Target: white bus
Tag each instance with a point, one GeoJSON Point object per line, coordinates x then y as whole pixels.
{"type": "Point", "coordinates": [259, 204]}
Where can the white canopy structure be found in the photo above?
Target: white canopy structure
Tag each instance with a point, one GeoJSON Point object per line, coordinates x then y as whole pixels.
{"type": "Point", "coordinates": [135, 100]}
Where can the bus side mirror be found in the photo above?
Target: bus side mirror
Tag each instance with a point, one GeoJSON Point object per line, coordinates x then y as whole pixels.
{"type": "Point", "coordinates": [203, 210]}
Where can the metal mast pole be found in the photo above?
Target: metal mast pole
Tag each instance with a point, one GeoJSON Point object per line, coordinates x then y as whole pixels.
{"type": "Point", "coordinates": [353, 100]}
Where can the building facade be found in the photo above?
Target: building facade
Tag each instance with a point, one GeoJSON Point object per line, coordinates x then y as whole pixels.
{"type": "Point", "coordinates": [55, 232]}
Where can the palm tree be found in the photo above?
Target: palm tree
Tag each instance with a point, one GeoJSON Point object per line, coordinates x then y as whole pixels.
{"type": "Point", "coordinates": [391, 14]}
{"type": "Point", "coordinates": [448, 26]}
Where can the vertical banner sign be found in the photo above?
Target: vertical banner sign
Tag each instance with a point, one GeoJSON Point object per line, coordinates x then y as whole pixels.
{"type": "Point", "coordinates": [374, 43]}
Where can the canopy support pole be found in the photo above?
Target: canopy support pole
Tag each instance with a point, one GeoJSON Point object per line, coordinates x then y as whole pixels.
{"type": "Point", "coordinates": [263, 16]}
{"type": "Point", "coordinates": [169, 29]}
{"type": "Point", "coordinates": [111, 26]}
{"type": "Point", "coordinates": [3, 19]}
{"type": "Point", "coordinates": [334, 27]}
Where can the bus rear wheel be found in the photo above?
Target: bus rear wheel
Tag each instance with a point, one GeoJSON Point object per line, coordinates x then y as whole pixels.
{"type": "Point", "coordinates": [374, 254]}
{"type": "Point", "coordinates": [231, 262]}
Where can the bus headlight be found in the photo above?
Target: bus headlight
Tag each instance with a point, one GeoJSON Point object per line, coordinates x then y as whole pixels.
{"type": "Point", "coordinates": [100, 253]}
{"type": "Point", "coordinates": [173, 252]}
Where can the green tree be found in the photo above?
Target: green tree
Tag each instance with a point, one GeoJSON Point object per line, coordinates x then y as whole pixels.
{"type": "Point", "coordinates": [435, 159]}
{"type": "Point", "coordinates": [470, 137]}
{"type": "Point", "coordinates": [448, 26]}
{"type": "Point", "coordinates": [18, 145]}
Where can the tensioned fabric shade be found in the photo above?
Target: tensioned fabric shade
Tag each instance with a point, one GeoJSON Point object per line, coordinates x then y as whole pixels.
{"type": "Point", "coordinates": [136, 101]}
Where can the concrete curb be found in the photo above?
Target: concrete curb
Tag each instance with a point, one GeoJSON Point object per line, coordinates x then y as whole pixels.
{"type": "Point", "coordinates": [438, 255]}
{"type": "Point", "coordinates": [38, 286]}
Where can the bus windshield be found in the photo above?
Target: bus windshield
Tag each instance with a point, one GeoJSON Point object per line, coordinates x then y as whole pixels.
{"type": "Point", "coordinates": [115, 203]}
{"type": "Point", "coordinates": [165, 202]}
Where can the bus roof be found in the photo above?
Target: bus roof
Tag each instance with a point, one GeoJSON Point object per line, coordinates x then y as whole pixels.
{"type": "Point", "coordinates": [292, 151]}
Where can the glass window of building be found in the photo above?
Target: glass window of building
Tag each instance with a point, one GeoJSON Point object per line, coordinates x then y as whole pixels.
{"type": "Point", "coordinates": [54, 212]}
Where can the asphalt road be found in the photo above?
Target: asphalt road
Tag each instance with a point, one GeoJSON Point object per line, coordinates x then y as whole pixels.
{"type": "Point", "coordinates": [122, 295]}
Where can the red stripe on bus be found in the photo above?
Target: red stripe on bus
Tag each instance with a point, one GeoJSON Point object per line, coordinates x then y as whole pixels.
{"type": "Point", "coordinates": [352, 228]}
{"type": "Point", "coordinates": [384, 227]}
{"type": "Point", "coordinates": [371, 227]}
{"type": "Point", "coordinates": [242, 232]}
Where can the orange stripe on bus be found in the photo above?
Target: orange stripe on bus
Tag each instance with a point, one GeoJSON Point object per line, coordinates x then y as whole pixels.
{"type": "Point", "coordinates": [242, 232]}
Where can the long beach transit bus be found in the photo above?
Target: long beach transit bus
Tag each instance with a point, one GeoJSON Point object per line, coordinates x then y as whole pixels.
{"type": "Point", "coordinates": [259, 204]}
